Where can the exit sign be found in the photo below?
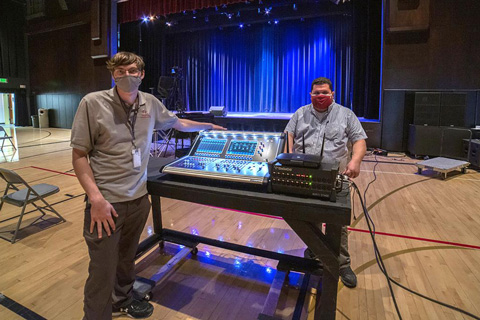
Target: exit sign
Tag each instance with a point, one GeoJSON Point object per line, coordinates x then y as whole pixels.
{"type": "Point", "coordinates": [3, 80]}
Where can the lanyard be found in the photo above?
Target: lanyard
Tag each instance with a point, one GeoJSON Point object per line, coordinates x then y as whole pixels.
{"type": "Point", "coordinates": [131, 119]}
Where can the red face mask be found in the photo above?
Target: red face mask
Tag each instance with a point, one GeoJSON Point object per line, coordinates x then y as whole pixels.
{"type": "Point", "coordinates": [322, 102]}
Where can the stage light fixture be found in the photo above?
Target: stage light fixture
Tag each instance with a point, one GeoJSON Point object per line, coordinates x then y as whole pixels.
{"type": "Point", "coordinates": [267, 11]}
{"type": "Point", "coordinates": [151, 18]}
{"type": "Point", "coordinates": [275, 21]}
{"type": "Point", "coordinates": [145, 19]}
{"type": "Point", "coordinates": [168, 24]}
{"type": "Point", "coordinates": [240, 25]}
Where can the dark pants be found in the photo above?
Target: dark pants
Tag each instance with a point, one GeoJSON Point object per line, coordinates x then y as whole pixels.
{"type": "Point", "coordinates": [344, 258]}
{"type": "Point", "coordinates": [111, 272]}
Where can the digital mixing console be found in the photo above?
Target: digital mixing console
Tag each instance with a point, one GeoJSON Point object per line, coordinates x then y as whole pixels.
{"type": "Point", "coordinates": [230, 155]}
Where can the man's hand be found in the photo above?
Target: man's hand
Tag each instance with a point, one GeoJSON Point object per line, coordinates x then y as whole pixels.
{"type": "Point", "coordinates": [216, 127]}
{"type": "Point", "coordinates": [101, 213]}
{"type": "Point", "coordinates": [353, 169]}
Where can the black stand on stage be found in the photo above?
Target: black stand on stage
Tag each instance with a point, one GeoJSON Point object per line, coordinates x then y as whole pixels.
{"type": "Point", "coordinates": [304, 215]}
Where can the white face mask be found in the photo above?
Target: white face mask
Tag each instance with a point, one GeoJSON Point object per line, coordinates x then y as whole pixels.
{"type": "Point", "coordinates": [128, 83]}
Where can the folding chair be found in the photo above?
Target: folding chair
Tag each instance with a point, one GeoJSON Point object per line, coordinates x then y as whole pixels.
{"type": "Point", "coordinates": [161, 142]}
{"type": "Point", "coordinates": [22, 197]}
{"type": "Point", "coordinates": [4, 136]}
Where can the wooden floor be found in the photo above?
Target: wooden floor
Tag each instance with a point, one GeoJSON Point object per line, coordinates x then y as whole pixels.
{"type": "Point", "coordinates": [45, 271]}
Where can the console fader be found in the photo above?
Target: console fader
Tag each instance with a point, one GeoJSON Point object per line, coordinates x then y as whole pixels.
{"type": "Point", "coordinates": [230, 155]}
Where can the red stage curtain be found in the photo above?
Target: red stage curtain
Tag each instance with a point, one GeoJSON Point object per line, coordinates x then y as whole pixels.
{"type": "Point", "coordinates": [133, 10]}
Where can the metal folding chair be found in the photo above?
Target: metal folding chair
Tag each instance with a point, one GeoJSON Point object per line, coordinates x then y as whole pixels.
{"type": "Point", "coordinates": [162, 142]}
{"type": "Point", "coordinates": [4, 136]}
{"type": "Point", "coordinates": [23, 197]}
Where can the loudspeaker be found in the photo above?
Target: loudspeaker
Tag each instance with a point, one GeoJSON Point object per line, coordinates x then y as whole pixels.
{"type": "Point", "coordinates": [424, 140]}
{"type": "Point", "coordinates": [452, 111]}
{"type": "Point", "coordinates": [427, 108]}
{"type": "Point", "coordinates": [408, 15]}
{"type": "Point", "coordinates": [220, 111]}
{"type": "Point", "coordinates": [452, 142]}
{"type": "Point", "coordinates": [474, 156]}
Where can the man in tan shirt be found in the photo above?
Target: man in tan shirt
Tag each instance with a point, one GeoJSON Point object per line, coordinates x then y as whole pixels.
{"type": "Point", "coordinates": [111, 136]}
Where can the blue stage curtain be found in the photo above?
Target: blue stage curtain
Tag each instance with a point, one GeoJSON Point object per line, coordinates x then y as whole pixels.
{"type": "Point", "coordinates": [265, 67]}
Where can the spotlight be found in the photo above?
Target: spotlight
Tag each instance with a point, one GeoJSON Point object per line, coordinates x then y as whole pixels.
{"type": "Point", "coordinates": [194, 17]}
{"type": "Point", "coordinates": [151, 18]}
{"type": "Point", "coordinates": [295, 7]}
{"type": "Point", "coordinates": [229, 15]}
{"type": "Point", "coordinates": [275, 21]}
{"type": "Point", "coordinates": [145, 19]}
{"type": "Point", "coordinates": [267, 11]}
{"type": "Point", "coordinates": [240, 26]}
{"type": "Point", "coordinates": [168, 24]}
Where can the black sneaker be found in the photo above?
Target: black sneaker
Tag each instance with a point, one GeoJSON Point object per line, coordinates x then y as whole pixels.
{"type": "Point", "coordinates": [137, 309]}
{"type": "Point", "coordinates": [349, 278]}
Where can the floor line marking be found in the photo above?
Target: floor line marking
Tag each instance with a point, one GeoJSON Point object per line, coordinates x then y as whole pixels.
{"type": "Point", "coordinates": [59, 172]}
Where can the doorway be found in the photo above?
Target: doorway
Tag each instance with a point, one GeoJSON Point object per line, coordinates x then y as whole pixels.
{"type": "Point", "coordinates": [7, 108]}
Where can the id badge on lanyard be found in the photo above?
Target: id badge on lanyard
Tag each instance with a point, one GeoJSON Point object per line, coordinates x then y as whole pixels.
{"type": "Point", "coordinates": [137, 159]}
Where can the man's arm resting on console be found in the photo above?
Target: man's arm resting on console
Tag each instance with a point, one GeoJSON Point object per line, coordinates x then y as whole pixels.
{"type": "Point", "coordinates": [186, 125]}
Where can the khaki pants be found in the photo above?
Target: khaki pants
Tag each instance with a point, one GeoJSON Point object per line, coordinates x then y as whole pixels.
{"type": "Point", "coordinates": [111, 272]}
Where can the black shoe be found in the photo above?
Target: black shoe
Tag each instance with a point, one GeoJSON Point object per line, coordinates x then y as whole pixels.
{"type": "Point", "coordinates": [349, 278]}
{"type": "Point", "coordinates": [137, 309]}
{"type": "Point", "coordinates": [310, 255]}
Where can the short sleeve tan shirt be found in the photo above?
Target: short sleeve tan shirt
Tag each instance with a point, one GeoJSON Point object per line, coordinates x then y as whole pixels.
{"type": "Point", "coordinates": [100, 129]}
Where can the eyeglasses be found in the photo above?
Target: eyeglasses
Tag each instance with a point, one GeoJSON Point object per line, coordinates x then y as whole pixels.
{"type": "Point", "coordinates": [122, 72]}
{"type": "Point", "coordinates": [314, 94]}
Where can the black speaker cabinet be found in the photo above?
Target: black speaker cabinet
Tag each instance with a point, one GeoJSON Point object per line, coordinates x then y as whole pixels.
{"type": "Point", "coordinates": [424, 140]}
{"type": "Point", "coordinates": [474, 156]}
{"type": "Point", "coordinates": [427, 108]}
{"type": "Point", "coordinates": [453, 108]}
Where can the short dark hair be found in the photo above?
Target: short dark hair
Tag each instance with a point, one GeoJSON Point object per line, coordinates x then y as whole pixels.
{"type": "Point", "coordinates": [124, 59]}
{"type": "Point", "coordinates": [322, 80]}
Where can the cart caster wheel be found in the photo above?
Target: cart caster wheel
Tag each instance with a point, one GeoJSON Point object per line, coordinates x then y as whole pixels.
{"type": "Point", "coordinates": [195, 251]}
{"type": "Point", "coordinates": [419, 171]}
{"type": "Point", "coordinates": [464, 170]}
{"type": "Point", "coordinates": [161, 244]}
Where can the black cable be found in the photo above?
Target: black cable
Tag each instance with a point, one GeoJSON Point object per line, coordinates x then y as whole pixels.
{"type": "Point", "coordinates": [378, 256]}
{"type": "Point", "coordinates": [381, 265]}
